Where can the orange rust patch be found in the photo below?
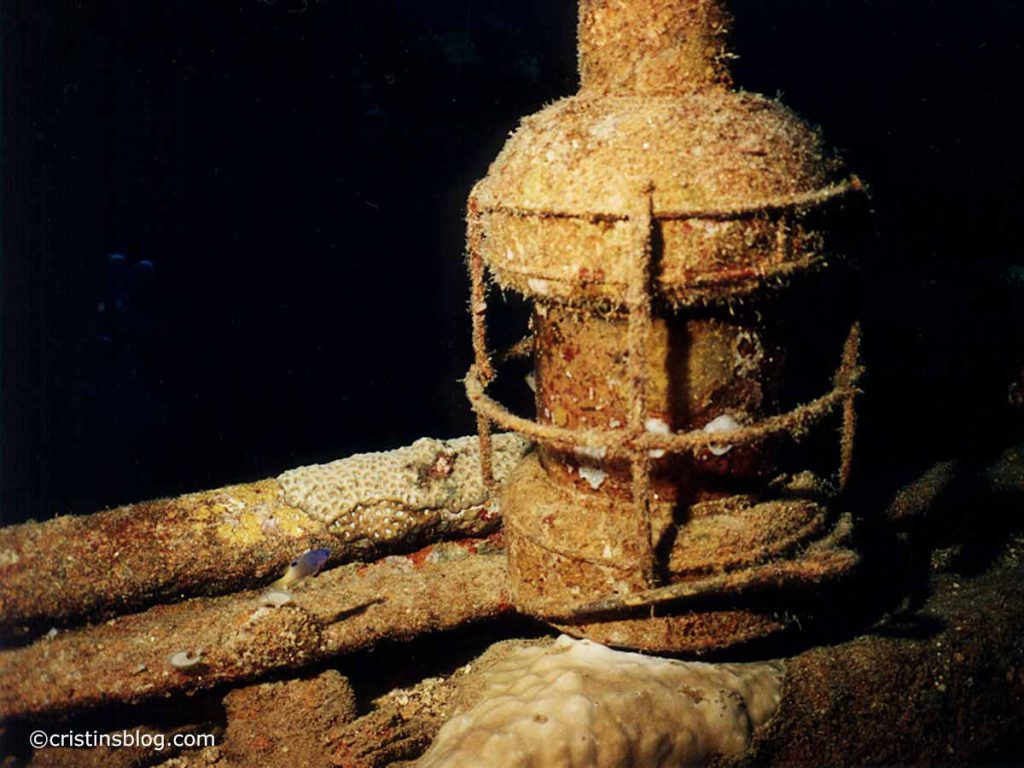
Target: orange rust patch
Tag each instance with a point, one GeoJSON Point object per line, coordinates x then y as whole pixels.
{"type": "Point", "coordinates": [419, 558]}
{"type": "Point", "coordinates": [470, 545]}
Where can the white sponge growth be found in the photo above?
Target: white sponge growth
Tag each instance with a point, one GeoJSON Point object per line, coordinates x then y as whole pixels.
{"type": "Point", "coordinates": [721, 424]}
{"type": "Point", "coordinates": [577, 704]}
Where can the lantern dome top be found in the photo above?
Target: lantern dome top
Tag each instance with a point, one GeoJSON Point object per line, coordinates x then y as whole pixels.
{"type": "Point", "coordinates": [711, 150]}
{"type": "Point", "coordinates": [727, 176]}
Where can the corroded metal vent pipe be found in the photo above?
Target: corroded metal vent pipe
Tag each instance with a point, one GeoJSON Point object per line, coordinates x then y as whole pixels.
{"type": "Point", "coordinates": [669, 232]}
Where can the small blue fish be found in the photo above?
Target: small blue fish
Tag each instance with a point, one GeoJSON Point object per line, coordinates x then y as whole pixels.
{"type": "Point", "coordinates": [308, 563]}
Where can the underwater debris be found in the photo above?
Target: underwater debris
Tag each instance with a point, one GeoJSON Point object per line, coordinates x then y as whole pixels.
{"type": "Point", "coordinates": [925, 494]}
{"type": "Point", "coordinates": [951, 679]}
{"type": "Point", "coordinates": [285, 722]}
{"type": "Point", "coordinates": [968, 644]}
{"type": "Point", "coordinates": [91, 567]}
{"type": "Point", "coordinates": [86, 667]}
{"type": "Point", "coordinates": [891, 696]}
{"type": "Point", "coordinates": [400, 725]}
{"type": "Point", "coordinates": [655, 223]}
{"type": "Point", "coordinates": [447, 586]}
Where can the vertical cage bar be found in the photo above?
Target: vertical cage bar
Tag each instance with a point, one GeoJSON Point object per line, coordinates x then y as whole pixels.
{"type": "Point", "coordinates": [845, 377]}
{"type": "Point", "coordinates": [478, 312]}
{"type": "Point", "coordinates": [638, 301]}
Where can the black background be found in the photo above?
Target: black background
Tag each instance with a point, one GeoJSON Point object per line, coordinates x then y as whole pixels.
{"type": "Point", "coordinates": [284, 182]}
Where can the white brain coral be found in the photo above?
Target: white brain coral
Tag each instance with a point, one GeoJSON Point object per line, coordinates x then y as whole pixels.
{"type": "Point", "coordinates": [577, 704]}
{"type": "Point", "coordinates": [384, 496]}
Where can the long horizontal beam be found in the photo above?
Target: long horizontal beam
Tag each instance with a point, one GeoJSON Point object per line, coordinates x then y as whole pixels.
{"type": "Point", "coordinates": [238, 639]}
{"type": "Point", "coordinates": [69, 569]}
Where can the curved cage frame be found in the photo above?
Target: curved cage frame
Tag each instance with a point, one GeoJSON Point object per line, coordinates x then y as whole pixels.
{"type": "Point", "coordinates": [633, 441]}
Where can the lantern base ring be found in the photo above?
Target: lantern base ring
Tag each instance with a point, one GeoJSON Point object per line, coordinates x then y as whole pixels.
{"type": "Point", "coordinates": [736, 568]}
{"type": "Point", "coordinates": [827, 562]}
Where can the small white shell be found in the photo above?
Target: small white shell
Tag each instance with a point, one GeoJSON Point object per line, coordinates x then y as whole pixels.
{"type": "Point", "coordinates": [185, 659]}
{"type": "Point", "coordinates": [723, 423]}
{"type": "Point", "coordinates": [593, 475]}
{"type": "Point", "coordinates": [657, 427]}
{"type": "Point", "coordinates": [275, 598]}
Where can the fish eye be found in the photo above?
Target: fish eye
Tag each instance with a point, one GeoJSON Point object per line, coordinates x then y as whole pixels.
{"type": "Point", "coordinates": [295, 564]}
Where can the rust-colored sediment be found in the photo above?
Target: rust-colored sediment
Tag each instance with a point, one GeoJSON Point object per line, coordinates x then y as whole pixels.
{"type": "Point", "coordinates": [342, 610]}
{"type": "Point", "coordinates": [945, 687]}
{"type": "Point", "coordinates": [401, 723]}
{"type": "Point", "coordinates": [272, 723]}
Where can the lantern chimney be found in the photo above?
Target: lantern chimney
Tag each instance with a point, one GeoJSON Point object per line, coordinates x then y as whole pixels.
{"type": "Point", "coordinates": [652, 47]}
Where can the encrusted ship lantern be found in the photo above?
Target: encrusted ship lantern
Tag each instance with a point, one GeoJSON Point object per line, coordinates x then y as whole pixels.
{"type": "Point", "coordinates": [695, 359]}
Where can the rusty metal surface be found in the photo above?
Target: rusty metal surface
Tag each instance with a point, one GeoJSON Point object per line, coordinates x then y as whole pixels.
{"type": "Point", "coordinates": [697, 369]}
{"type": "Point", "coordinates": [570, 562]}
{"type": "Point", "coordinates": [125, 661]}
{"type": "Point", "coordinates": [55, 572]}
{"type": "Point", "coordinates": [71, 569]}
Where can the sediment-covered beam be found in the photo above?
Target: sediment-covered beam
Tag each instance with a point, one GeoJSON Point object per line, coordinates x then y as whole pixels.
{"type": "Point", "coordinates": [55, 573]}
{"type": "Point", "coordinates": [238, 639]}
{"type": "Point", "coordinates": [61, 570]}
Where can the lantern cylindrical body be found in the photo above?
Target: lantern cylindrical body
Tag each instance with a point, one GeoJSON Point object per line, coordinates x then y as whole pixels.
{"type": "Point", "coordinates": [701, 372]}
